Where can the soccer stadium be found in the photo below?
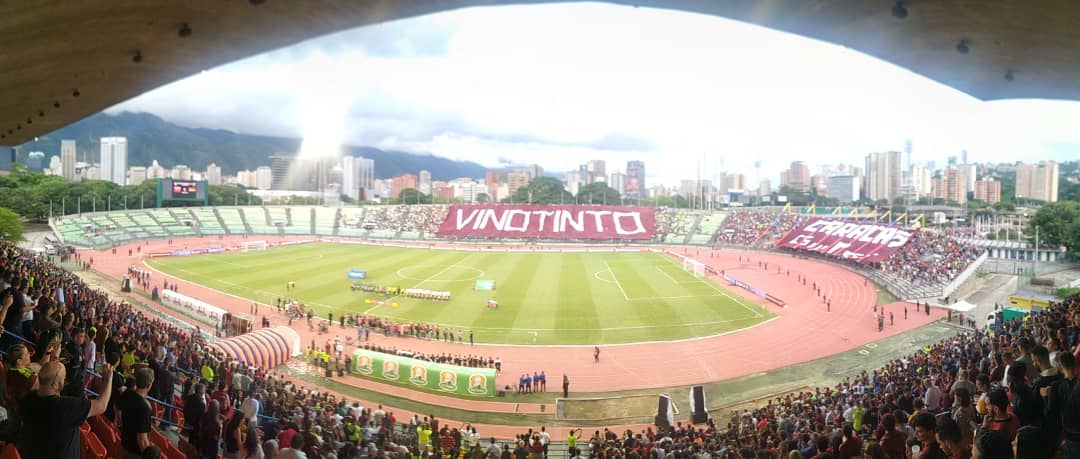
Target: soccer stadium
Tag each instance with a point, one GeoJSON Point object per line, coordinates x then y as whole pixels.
{"type": "Point", "coordinates": [318, 317]}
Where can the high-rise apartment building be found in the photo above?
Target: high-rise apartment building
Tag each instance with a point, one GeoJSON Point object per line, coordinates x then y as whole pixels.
{"type": "Point", "coordinates": [988, 190]}
{"type": "Point", "coordinates": [516, 180]}
{"type": "Point", "coordinates": [797, 177]}
{"type": "Point", "coordinates": [114, 163]}
{"type": "Point", "coordinates": [764, 187]}
{"type": "Point", "coordinates": [617, 182]}
{"type": "Point", "coordinates": [403, 182]}
{"type": "Point", "coordinates": [921, 181]}
{"type": "Point", "coordinates": [1037, 181]}
{"type": "Point", "coordinates": [534, 171]}
{"type": "Point", "coordinates": [280, 168]}
{"type": "Point", "coordinates": [884, 176]}
{"type": "Point", "coordinates": [844, 188]}
{"type": "Point", "coordinates": [264, 178]}
{"type": "Point", "coordinates": [67, 160]}
{"type": "Point", "coordinates": [970, 173]}
{"type": "Point", "coordinates": [358, 177]}
{"type": "Point", "coordinates": [956, 185]}
{"type": "Point", "coordinates": [213, 174]}
{"type": "Point", "coordinates": [425, 182]}
{"type": "Point", "coordinates": [597, 170]}
{"type": "Point", "coordinates": [574, 180]}
{"type": "Point", "coordinates": [35, 161]}
{"type": "Point", "coordinates": [634, 184]}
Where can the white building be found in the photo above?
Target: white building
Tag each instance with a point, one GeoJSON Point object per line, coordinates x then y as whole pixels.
{"type": "Point", "coordinates": [136, 175]}
{"type": "Point", "coordinates": [425, 182]}
{"type": "Point", "coordinates": [264, 178]}
{"type": "Point", "coordinates": [922, 180]}
{"type": "Point", "coordinates": [114, 160]}
{"type": "Point", "coordinates": [574, 180]}
{"type": "Point", "coordinates": [67, 160]}
{"type": "Point", "coordinates": [213, 174]}
{"type": "Point", "coordinates": [56, 166]}
{"type": "Point", "coordinates": [358, 178]}
{"type": "Point", "coordinates": [618, 182]}
{"type": "Point", "coordinates": [844, 188]}
{"type": "Point", "coordinates": [92, 173]}
{"type": "Point", "coordinates": [180, 172]}
{"type": "Point", "coordinates": [155, 171]}
{"type": "Point", "coordinates": [468, 191]}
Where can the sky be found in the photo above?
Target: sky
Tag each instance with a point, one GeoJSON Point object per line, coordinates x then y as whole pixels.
{"type": "Point", "coordinates": [560, 84]}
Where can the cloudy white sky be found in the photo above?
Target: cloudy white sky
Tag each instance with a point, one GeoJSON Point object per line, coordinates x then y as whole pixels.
{"type": "Point", "coordinates": [560, 84]}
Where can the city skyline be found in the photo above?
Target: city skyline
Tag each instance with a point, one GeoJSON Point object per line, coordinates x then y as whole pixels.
{"type": "Point", "coordinates": [603, 88]}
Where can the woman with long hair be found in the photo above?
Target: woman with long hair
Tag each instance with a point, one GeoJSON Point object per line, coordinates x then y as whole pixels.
{"type": "Point", "coordinates": [210, 431]}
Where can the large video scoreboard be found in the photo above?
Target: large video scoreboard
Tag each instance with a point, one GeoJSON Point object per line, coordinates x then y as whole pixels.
{"type": "Point", "coordinates": [182, 190]}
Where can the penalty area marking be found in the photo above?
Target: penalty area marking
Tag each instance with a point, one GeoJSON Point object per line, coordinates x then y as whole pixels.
{"type": "Point", "coordinates": [597, 276]}
{"type": "Point", "coordinates": [617, 283]}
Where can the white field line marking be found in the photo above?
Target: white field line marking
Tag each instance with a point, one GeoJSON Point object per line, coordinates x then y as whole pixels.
{"type": "Point", "coordinates": [597, 276]}
{"type": "Point", "coordinates": [617, 283]}
{"type": "Point", "coordinates": [678, 282]}
{"type": "Point", "coordinates": [722, 292]}
{"type": "Point", "coordinates": [428, 279]}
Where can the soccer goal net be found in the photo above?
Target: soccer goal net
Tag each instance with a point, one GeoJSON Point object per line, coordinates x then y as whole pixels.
{"type": "Point", "coordinates": [247, 246]}
{"type": "Point", "coordinates": [691, 265]}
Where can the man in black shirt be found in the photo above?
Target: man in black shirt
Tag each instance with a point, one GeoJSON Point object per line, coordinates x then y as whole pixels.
{"type": "Point", "coordinates": [194, 408]}
{"type": "Point", "coordinates": [51, 421]}
{"type": "Point", "coordinates": [135, 414]}
{"type": "Point", "coordinates": [73, 357]}
{"type": "Point", "coordinates": [164, 387]}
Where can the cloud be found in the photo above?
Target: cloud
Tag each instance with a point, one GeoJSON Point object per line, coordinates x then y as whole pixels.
{"type": "Point", "coordinates": [560, 84]}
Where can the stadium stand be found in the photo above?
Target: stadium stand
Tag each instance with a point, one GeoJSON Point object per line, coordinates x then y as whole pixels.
{"type": "Point", "coordinates": [1015, 379]}
{"type": "Point", "coordinates": [207, 221]}
{"type": "Point", "coordinates": [707, 228]}
{"type": "Point", "coordinates": [921, 270]}
{"type": "Point", "coordinates": [259, 220]}
{"type": "Point", "coordinates": [233, 220]}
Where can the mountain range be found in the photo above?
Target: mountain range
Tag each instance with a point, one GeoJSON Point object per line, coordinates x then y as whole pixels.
{"type": "Point", "coordinates": [151, 138]}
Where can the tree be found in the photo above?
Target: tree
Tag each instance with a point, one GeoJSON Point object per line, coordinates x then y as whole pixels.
{"type": "Point", "coordinates": [483, 198]}
{"type": "Point", "coordinates": [597, 193]}
{"type": "Point", "coordinates": [541, 190]}
{"type": "Point", "coordinates": [1059, 224]}
{"type": "Point", "coordinates": [10, 226]}
{"type": "Point", "coordinates": [412, 196]}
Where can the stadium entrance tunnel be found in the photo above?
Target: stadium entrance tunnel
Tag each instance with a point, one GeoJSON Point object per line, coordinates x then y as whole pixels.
{"type": "Point", "coordinates": [265, 348]}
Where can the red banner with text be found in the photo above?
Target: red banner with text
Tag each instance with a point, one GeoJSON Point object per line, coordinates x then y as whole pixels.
{"type": "Point", "coordinates": [549, 222]}
{"type": "Point", "coordinates": [865, 242]}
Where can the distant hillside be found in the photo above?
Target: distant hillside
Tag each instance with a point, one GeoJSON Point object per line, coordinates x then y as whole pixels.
{"type": "Point", "coordinates": [150, 138]}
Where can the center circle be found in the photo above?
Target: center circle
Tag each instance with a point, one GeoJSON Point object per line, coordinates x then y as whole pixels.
{"type": "Point", "coordinates": [439, 273]}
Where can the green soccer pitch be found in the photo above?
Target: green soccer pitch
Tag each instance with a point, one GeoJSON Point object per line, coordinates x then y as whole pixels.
{"type": "Point", "coordinates": [544, 298]}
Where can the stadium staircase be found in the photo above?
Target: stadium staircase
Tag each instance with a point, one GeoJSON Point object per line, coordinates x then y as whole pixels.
{"type": "Point", "coordinates": [153, 217]}
{"type": "Point", "coordinates": [123, 229]}
{"type": "Point", "coordinates": [313, 221]}
{"type": "Point", "coordinates": [243, 219]}
{"type": "Point", "coordinates": [694, 228]}
{"type": "Point", "coordinates": [196, 224]}
{"type": "Point", "coordinates": [288, 216]}
{"type": "Point", "coordinates": [337, 221]}
{"type": "Point", "coordinates": [404, 218]}
{"type": "Point", "coordinates": [221, 221]}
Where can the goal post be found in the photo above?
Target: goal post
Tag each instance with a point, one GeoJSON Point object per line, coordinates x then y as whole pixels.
{"type": "Point", "coordinates": [247, 246]}
{"type": "Point", "coordinates": [693, 266]}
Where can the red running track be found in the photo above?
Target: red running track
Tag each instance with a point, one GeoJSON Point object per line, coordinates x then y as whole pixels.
{"type": "Point", "coordinates": [801, 332]}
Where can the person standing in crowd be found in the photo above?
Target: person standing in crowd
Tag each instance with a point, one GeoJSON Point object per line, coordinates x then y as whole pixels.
{"type": "Point", "coordinates": [135, 414]}
{"type": "Point", "coordinates": [51, 421]}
